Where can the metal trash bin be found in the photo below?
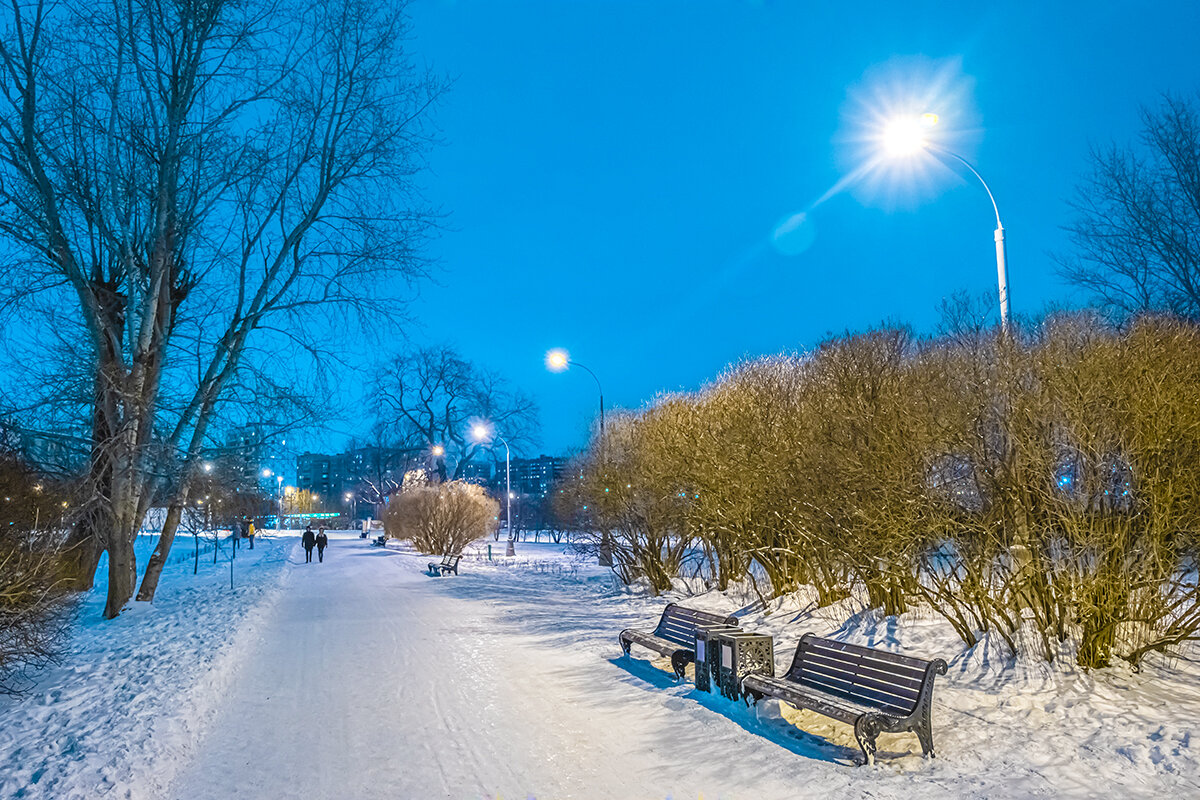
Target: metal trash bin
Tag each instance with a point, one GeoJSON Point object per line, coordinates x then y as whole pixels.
{"type": "Point", "coordinates": [706, 653]}
{"type": "Point", "coordinates": [740, 654]}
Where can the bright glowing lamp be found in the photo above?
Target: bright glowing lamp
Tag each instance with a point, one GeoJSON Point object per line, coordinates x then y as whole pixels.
{"type": "Point", "coordinates": [906, 136]}
{"type": "Point", "coordinates": [438, 450]}
{"type": "Point", "coordinates": [557, 360]}
{"type": "Point", "coordinates": [479, 432]}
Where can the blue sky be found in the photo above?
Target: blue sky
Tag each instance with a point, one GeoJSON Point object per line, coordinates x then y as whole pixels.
{"type": "Point", "coordinates": [613, 171]}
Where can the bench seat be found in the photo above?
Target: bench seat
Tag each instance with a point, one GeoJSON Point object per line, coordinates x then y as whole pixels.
{"type": "Point", "coordinates": [875, 691]}
{"type": "Point", "coordinates": [675, 635]}
{"type": "Point", "coordinates": [449, 564]}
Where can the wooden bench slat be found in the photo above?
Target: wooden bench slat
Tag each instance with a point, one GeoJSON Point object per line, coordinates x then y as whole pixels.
{"type": "Point", "coordinates": [908, 685]}
{"type": "Point", "coordinates": [885, 656]}
{"type": "Point", "coordinates": [852, 679]}
{"type": "Point", "coordinates": [867, 696]}
{"type": "Point", "coordinates": [881, 669]}
{"type": "Point", "coordinates": [882, 658]}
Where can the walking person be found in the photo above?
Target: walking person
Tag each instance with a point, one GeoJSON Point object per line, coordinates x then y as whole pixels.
{"type": "Point", "coordinates": [322, 542]}
{"type": "Point", "coordinates": [250, 533]}
{"type": "Point", "coordinates": [309, 540]}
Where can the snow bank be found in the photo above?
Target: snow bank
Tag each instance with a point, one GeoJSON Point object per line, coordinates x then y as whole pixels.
{"type": "Point", "coordinates": [132, 694]}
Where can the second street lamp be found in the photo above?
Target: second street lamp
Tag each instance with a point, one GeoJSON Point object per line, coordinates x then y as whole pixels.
{"type": "Point", "coordinates": [558, 360]}
{"type": "Point", "coordinates": [908, 136]}
{"type": "Point", "coordinates": [482, 433]}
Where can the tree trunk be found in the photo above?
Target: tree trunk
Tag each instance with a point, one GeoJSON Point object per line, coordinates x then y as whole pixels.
{"type": "Point", "coordinates": [122, 573]}
{"type": "Point", "coordinates": [158, 558]}
{"type": "Point", "coordinates": [80, 557]}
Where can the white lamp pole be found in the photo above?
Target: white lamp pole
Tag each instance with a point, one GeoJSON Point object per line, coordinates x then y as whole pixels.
{"type": "Point", "coordinates": [906, 136]}
{"type": "Point", "coordinates": [481, 433]}
{"type": "Point", "coordinates": [1001, 249]}
{"type": "Point", "coordinates": [507, 488]}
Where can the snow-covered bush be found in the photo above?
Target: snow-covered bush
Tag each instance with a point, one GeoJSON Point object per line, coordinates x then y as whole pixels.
{"type": "Point", "coordinates": [30, 604]}
{"type": "Point", "coordinates": [1046, 480]}
{"type": "Point", "coordinates": [442, 518]}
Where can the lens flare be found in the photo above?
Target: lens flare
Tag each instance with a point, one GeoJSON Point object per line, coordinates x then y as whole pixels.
{"type": "Point", "coordinates": [893, 122]}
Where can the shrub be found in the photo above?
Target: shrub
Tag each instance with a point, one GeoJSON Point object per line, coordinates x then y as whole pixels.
{"type": "Point", "coordinates": [442, 518]}
{"type": "Point", "coordinates": [31, 600]}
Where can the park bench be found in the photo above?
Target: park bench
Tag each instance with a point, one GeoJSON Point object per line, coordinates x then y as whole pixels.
{"type": "Point", "coordinates": [379, 541]}
{"type": "Point", "coordinates": [675, 635]}
{"type": "Point", "coordinates": [873, 690]}
{"type": "Point", "coordinates": [449, 564]}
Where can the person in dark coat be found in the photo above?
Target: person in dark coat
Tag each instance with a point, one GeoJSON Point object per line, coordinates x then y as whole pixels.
{"type": "Point", "coordinates": [309, 540]}
{"type": "Point", "coordinates": [322, 542]}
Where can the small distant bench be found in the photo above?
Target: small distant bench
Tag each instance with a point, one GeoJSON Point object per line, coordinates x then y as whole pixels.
{"type": "Point", "coordinates": [873, 690]}
{"type": "Point", "coordinates": [449, 564]}
{"type": "Point", "coordinates": [379, 541]}
{"type": "Point", "coordinates": [675, 635]}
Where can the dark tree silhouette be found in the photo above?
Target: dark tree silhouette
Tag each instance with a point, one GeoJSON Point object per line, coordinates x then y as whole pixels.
{"type": "Point", "coordinates": [1136, 233]}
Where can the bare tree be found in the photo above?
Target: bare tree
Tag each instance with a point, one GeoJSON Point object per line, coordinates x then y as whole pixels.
{"type": "Point", "coordinates": [191, 178]}
{"type": "Point", "coordinates": [432, 396]}
{"type": "Point", "coordinates": [1137, 227]}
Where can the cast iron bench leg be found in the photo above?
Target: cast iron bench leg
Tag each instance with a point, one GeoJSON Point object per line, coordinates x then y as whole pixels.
{"type": "Point", "coordinates": [924, 732]}
{"type": "Point", "coordinates": [866, 729]}
{"type": "Point", "coordinates": [679, 661]}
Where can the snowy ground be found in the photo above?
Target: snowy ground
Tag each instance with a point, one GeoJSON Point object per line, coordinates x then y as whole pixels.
{"type": "Point", "coordinates": [365, 677]}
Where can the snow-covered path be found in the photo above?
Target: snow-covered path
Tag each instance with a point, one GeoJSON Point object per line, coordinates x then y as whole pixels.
{"type": "Point", "coordinates": [371, 680]}
{"type": "Point", "coordinates": [375, 680]}
{"type": "Point", "coordinates": [371, 683]}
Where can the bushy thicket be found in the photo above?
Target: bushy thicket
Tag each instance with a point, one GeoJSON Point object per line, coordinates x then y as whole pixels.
{"type": "Point", "coordinates": [440, 518]}
{"type": "Point", "coordinates": [1049, 480]}
{"type": "Point", "coordinates": [31, 601]}
{"type": "Point", "coordinates": [31, 589]}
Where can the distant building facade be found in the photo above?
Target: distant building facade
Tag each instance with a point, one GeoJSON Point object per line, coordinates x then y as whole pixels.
{"type": "Point", "coordinates": [532, 476]}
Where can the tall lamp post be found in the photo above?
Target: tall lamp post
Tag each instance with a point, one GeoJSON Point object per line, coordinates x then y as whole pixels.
{"type": "Point", "coordinates": [481, 433]}
{"type": "Point", "coordinates": [907, 136]}
{"type": "Point", "coordinates": [558, 360]}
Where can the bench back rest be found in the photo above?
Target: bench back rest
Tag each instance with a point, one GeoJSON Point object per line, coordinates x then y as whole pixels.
{"type": "Point", "coordinates": [678, 624]}
{"type": "Point", "coordinates": [450, 560]}
{"type": "Point", "coordinates": [887, 681]}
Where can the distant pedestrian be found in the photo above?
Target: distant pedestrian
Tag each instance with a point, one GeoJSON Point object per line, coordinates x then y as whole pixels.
{"type": "Point", "coordinates": [250, 533]}
{"type": "Point", "coordinates": [322, 542]}
{"type": "Point", "coordinates": [309, 540]}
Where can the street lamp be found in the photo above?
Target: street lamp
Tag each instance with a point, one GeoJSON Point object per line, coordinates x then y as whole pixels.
{"type": "Point", "coordinates": [481, 433]}
{"type": "Point", "coordinates": [278, 503]}
{"type": "Point", "coordinates": [908, 136]}
{"type": "Point", "coordinates": [559, 360]}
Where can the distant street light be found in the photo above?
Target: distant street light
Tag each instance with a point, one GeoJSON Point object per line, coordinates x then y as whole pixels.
{"type": "Point", "coordinates": [907, 136]}
{"type": "Point", "coordinates": [482, 433]}
{"type": "Point", "coordinates": [558, 360]}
